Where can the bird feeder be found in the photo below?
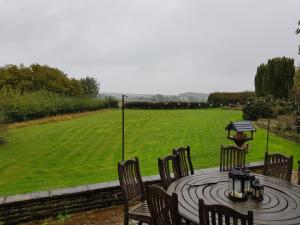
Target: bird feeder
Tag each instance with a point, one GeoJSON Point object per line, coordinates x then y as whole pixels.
{"type": "Point", "coordinates": [242, 129]}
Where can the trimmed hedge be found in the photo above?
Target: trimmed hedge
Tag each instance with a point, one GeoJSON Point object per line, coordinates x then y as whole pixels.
{"type": "Point", "coordinates": [168, 105]}
{"type": "Point", "coordinates": [33, 105]}
{"type": "Point", "coordinates": [227, 98]}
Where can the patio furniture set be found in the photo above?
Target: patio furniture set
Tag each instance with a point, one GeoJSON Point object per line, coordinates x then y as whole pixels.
{"type": "Point", "coordinates": [205, 197]}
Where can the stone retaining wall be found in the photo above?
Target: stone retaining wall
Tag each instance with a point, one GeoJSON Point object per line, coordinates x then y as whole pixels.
{"type": "Point", "coordinates": [36, 206]}
{"type": "Point", "coordinates": [40, 205]}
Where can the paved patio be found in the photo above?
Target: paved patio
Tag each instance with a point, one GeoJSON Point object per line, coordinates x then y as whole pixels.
{"type": "Point", "coordinates": [108, 216]}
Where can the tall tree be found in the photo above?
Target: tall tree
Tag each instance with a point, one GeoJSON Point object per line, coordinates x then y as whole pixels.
{"type": "Point", "coordinates": [275, 78]}
{"type": "Point", "coordinates": [90, 86]}
{"type": "Point", "coordinates": [38, 77]}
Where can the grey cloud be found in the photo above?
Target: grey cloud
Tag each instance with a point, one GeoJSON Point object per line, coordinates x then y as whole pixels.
{"type": "Point", "coordinates": [155, 46]}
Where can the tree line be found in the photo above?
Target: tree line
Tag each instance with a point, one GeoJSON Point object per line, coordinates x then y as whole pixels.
{"type": "Point", "coordinates": [226, 98]}
{"type": "Point", "coordinates": [42, 77]}
{"type": "Point", "coordinates": [275, 78]}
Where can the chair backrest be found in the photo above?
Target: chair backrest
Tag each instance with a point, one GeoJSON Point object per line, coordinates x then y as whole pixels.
{"type": "Point", "coordinates": [231, 157]}
{"type": "Point", "coordinates": [165, 171]}
{"type": "Point", "coordinates": [299, 172]}
{"type": "Point", "coordinates": [222, 215]}
{"type": "Point", "coordinates": [184, 161]}
{"type": "Point", "coordinates": [163, 207]}
{"type": "Point", "coordinates": [131, 181]}
{"type": "Point", "coordinates": [278, 166]}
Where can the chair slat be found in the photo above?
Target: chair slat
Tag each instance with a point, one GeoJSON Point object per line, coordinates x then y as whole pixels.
{"type": "Point", "coordinates": [164, 170]}
{"type": "Point", "coordinates": [208, 214]}
{"type": "Point", "coordinates": [132, 187]}
{"type": "Point", "coordinates": [278, 166]}
{"type": "Point", "coordinates": [163, 207]}
{"type": "Point", "coordinates": [184, 161]}
{"type": "Point", "coordinates": [299, 172]}
{"type": "Point", "coordinates": [232, 156]}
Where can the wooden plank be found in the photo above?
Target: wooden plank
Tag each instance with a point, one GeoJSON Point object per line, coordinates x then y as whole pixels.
{"type": "Point", "coordinates": [281, 204]}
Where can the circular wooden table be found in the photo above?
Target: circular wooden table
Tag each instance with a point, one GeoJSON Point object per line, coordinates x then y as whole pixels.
{"type": "Point", "coordinates": [281, 204]}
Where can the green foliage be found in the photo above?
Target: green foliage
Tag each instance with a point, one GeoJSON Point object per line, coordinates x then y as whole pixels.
{"type": "Point", "coordinates": [110, 102]}
{"type": "Point", "coordinates": [296, 87]}
{"type": "Point", "coordinates": [38, 77]}
{"type": "Point", "coordinates": [3, 128]}
{"type": "Point", "coordinates": [298, 32]}
{"type": "Point", "coordinates": [275, 78]}
{"type": "Point", "coordinates": [227, 98]}
{"type": "Point", "coordinates": [63, 216]}
{"type": "Point", "coordinates": [33, 105]}
{"type": "Point", "coordinates": [167, 105]}
{"type": "Point", "coordinates": [90, 86]}
{"type": "Point", "coordinates": [259, 108]}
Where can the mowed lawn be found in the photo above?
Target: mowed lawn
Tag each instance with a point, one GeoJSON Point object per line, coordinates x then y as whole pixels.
{"type": "Point", "coordinates": [86, 149]}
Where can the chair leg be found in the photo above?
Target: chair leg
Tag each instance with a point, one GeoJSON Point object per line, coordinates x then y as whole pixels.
{"type": "Point", "coordinates": [126, 220]}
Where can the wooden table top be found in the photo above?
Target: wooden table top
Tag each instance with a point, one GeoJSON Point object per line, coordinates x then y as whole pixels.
{"type": "Point", "coordinates": [281, 204]}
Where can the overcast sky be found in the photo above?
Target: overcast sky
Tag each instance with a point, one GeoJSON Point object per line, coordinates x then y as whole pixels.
{"type": "Point", "coordinates": [152, 46]}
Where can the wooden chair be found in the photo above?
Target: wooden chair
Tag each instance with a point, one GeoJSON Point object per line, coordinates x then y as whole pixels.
{"type": "Point", "coordinates": [163, 207]}
{"type": "Point", "coordinates": [135, 204]}
{"type": "Point", "coordinates": [299, 172]}
{"type": "Point", "coordinates": [184, 161]}
{"type": "Point", "coordinates": [278, 166]}
{"type": "Point", "coordinates": [222, 215]}
{"type": "Point", "coordinates": [165, 172]}
{"type": "Point", "coordinates": [231, 157]}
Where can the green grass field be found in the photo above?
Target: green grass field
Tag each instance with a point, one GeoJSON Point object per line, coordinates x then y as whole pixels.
{"type": "Point", "coordinates": [86, 149]}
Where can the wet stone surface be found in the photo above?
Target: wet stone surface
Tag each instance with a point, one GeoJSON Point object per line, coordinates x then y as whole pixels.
{"type": "Point", "coordinates": [109, 216]}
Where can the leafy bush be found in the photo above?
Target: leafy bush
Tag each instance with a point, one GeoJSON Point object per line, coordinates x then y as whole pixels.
{"type": "Point", "coordinates": [33, 105]}
{"type": "Point", "coordinates": [110, 102]}
{"type": "Point", "coordinates": [259, 108]}
{"type": "Point", "coordinates": [227, 98]}
{"type": "Point", "coordinates": [42, 77]}
{"type": "Point", "coordinates": [167, 105]}
{"type": "Point", "coordinates": [2, 127]}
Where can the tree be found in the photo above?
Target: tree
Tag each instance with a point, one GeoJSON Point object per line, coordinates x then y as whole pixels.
{"type": "Point", "coordinates": [275, 78]}
{"type": "Point", "coordinates": [38, 77]}
{"type": "Point", "coordinates": [90, 86]}
{"type": "Point", "coordinates": [298, 32]}
{"type": "Point", "coordinates": [158, 98]}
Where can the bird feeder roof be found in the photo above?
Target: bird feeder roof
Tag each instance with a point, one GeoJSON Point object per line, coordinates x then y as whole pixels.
{"type": "Point", "coordinates": [240, 126]}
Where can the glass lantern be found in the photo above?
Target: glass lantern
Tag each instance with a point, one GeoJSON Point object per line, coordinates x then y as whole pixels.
{"type": "Point", "coordinates": [249, 182]}
{"type": "Point", "coordinates": [257, 191]}
{"type": "Point", "coordinates": [237, 184]}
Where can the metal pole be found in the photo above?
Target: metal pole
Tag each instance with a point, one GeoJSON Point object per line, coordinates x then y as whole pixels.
{"type": "Point", "coordinates": [123, 97]}
{"type": "Point", "coordinates": [267, 149]}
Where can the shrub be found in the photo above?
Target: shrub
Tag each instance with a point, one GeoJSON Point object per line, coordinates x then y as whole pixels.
{"type": "Point", "coordinates": [33, 105]}
{"type": "Point", "coordinates": [110, 102]}
{"type": "Point", "coordinates": [2, 127]}
{"type": "Point", "coordinates": [227, 98]}
{"type": "Point", "coordinates": [167, 105]}
{"type": "Point", "coordinates": [259, 108]}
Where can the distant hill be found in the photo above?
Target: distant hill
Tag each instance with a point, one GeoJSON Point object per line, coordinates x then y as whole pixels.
{"type": "Point", "coordinates": [187, 96]}
{"type": "Point", "coordinates": [193, 95]}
